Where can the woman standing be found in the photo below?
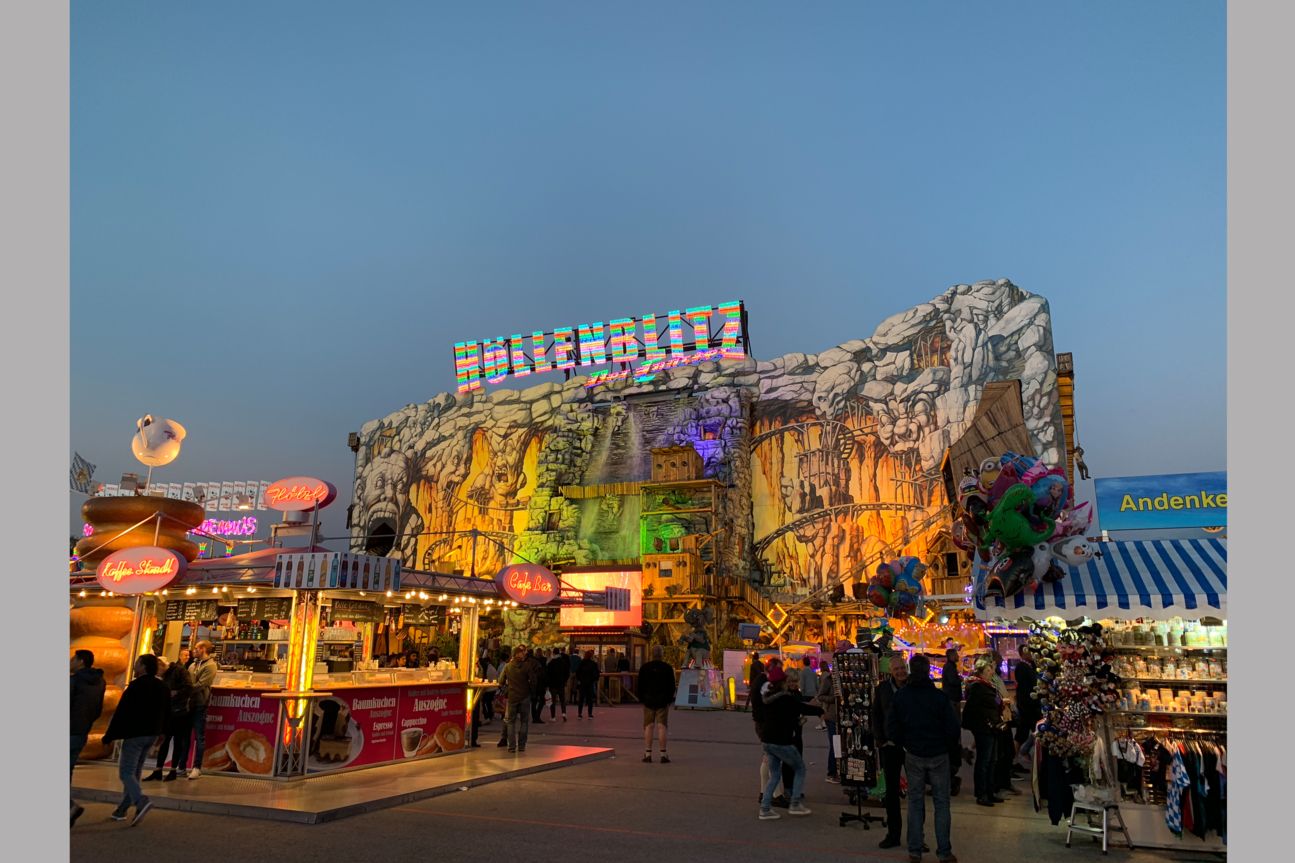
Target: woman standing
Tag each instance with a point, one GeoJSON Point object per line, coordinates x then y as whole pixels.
{"type": "Point", "coordinates": [982, 716]}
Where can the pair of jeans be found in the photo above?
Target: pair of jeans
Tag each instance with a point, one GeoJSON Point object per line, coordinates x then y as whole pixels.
{"type": "Point", "coordinates": [831, 753]}
{"type": "Point", "coordinates": [986, 755]}
{"type": "Point", "coordinates": [559, 694]}
{"type": "Point", "coordinates": [588, 695]}
{"type": "Point", "coordinates": [517, 723]}
{"type": "Point", "coordinates": [133, 752]}
{"type": "Point", "coordinates": [179, 731]}
{"type": "Point", "coordinates": [921, 771]}
{"type": "Point", "coordinates": [199, 718]}
{"type": "Point", "coordinates": [892, 761]}
{"type": "Point", "coordinates": [780, 755]}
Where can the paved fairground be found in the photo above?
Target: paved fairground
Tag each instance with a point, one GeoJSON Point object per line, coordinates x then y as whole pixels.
{"type": "Point", "coordinates": [700, 806]}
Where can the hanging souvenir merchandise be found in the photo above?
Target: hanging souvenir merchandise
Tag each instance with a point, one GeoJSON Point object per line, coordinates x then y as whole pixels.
{"type": "Point", "coordinates": [854, 677]}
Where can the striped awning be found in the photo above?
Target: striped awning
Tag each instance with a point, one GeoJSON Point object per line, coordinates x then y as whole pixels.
{"type": "Point", "coordinates": [1146, 578]}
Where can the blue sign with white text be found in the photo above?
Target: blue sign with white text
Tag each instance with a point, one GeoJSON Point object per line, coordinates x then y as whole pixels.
{"type": "Point", "coordinates": [1163, 502]}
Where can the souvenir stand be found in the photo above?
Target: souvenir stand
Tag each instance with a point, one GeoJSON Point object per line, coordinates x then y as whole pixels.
{"type": "Point", "coordinates": [854, 677]}
{"type": "Point", "coordinates": [1163, 608]}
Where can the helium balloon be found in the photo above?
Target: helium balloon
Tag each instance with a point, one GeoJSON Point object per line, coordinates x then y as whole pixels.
{"type": "Point", "coordinates": [878, 595]}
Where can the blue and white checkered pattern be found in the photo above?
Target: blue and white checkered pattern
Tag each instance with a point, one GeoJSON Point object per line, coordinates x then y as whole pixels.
{"type": "Point", "coordinates": [1144, 578]}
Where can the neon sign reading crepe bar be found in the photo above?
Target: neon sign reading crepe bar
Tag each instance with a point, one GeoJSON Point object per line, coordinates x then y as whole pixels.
{"type": "Point", "coordinates": [658, 341]}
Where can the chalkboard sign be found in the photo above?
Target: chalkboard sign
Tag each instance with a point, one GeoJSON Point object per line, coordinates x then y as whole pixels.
{"type": "Point", "coordinates": [265, 608]}
{"type": "Point", "coordinates": [356, 610]}
{"type": "Point", "coordinates": [191, 609]}
{"type": "Point", "coordinates": [418, 615]}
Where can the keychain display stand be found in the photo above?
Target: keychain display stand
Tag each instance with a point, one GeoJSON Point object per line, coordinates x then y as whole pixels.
{"type": "Point", "coordinates": [854, 676]}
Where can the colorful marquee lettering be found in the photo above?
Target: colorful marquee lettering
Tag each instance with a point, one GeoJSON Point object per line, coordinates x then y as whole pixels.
{"type": "Point", "coordinates": [714, 332]}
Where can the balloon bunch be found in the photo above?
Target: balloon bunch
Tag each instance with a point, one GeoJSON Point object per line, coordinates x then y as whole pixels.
{"type": "Point", "coordinates": [1075, 684]}
{"type": "Point", "coordinates": [1016, 514]}
{"type": "Point", "coordinates": [897, 587]}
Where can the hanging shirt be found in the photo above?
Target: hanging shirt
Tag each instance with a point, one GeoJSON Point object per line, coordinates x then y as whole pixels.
{"type": "Point", "coordinates": [1178, 781]}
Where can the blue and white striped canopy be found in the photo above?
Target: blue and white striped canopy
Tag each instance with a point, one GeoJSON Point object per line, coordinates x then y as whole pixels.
{"type": "Point", "coordinates": [1145, 578]}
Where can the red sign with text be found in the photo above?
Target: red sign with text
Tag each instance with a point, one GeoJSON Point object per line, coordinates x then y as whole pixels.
{"type": "Point", "coordinates": [299, 494]}
{"type": "Point", "coordinates": [432, 719]}
{"type": "Point", "coordinates": [139, 570]}
{"type": "Point", "coordinates": [528, 583]}
{"type": "Point", "coordinates": [240, 732]}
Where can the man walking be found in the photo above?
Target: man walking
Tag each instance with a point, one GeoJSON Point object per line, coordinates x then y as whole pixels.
{"type": "Point", "coordinates": [587, 675]}
{"type": "Point", "coordinates": [203, 673]}
{"type": "Point", "coordinates": [522, 682]}
{"type": "Point", "coordinates": [951, 685]}
{"type": "Point", "coordinates": [556, 674]}
{"type": "Point", "coordinates": [759, 681]}
{"type": "Point", "coordinates": [922, 723]}
{"type": "Point", "coordinates": [538, 665]}
{"type": "Point", "coordinates": [783, 709]}
{"type": "Point", "coordinates": [137, 721]}
{"type": "Point", "coordinates": [892, 753]}
{"type": "Point", "coordinates": [87, 704]}
{"type": "Point", "coordinates": [656, 689]}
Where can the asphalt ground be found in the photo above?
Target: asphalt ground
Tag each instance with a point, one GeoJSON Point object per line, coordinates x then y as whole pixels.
{"type": "Point", "coordinates": [700, 806]}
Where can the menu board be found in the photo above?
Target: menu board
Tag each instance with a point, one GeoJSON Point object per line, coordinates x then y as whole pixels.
{"type": "Point", "coordinates": [191, 609]}
{"type": "Point", "coordinates": [356, 610]}
{"type": "Point", "coordinates": [373, 726]}
{"type": "Point", "coordinates": [423, 615]}
{"type": "Point", "coordinates": [240, 732]}
{"type": "Point", "coordinates": [266, 608]}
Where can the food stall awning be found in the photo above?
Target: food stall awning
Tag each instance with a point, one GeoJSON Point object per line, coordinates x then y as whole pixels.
{"type": "Point", "coordinates": [1144, 578]}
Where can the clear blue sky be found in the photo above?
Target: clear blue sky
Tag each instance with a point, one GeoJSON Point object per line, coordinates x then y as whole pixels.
{"type": "Point", "coordinates": [284, 214]}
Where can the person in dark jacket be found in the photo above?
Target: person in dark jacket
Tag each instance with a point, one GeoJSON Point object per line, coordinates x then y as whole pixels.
{"type": "Point", "coordinates": [758, 683]}
{"type": "Point", "coordinates": [892, 754]}
{"type": "Point", "coordinates": [951, 684]}
{"type": "Point", "coordinates": [88, 687]}
{"type": "Point", "coordinates": [922, 722]}
{"type": "Point", "coordinates": [138, 720]}
{"type": "Point", "coordinates": [1028, 712]}
{"type": "Point", "coordinates": [522, 682]}
{"type": "Point", "coordinates": [179, 724]}
{"type": "Point", "coordinates": [982, 716]}
{"type": "Point", "coordinates": [587, 674]}
{"type": "Point", "coordinates": [656, 688]}
{"type": "Point", "coordinates": [783, 709]}
{"type": "Point", "coordinates": [539, 665]}
{"type": "Point", "coordinates": [556, 674]}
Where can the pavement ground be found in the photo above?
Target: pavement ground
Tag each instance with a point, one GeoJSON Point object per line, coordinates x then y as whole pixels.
{"type": "Point", "coordinates": [700, 806]}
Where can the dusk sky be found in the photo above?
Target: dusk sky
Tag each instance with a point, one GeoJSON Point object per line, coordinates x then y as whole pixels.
{"type": "Point", "coordinates": [284, 214]}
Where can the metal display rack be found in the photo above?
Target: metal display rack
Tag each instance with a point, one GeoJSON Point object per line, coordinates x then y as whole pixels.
{"type": "Point", "coordinates": [854, 677]}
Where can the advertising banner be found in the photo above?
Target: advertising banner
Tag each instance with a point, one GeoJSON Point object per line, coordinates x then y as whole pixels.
{"type": "Point", "coordinates": [1163, 502]}
{"type": "Point", "coordinates": [432, 719]}
{"type": "Point", "coordinates": [630, 580]}
{"type": "Point", "coordinates": [240, 732]}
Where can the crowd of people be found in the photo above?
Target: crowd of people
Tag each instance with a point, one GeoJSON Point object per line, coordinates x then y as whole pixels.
{"type": "Point", "coordinates": [916, 728]}
{"type": "Point", "coordinates": [166, 700]}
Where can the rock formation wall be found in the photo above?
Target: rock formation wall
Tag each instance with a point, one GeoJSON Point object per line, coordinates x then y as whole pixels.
{"type": "Point", "coordinates": [823, 457]}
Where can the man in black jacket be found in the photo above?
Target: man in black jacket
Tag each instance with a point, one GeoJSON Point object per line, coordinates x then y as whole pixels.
{"type": "Point", "coordinates": [892, 754]}
{"type": "Point", "coordinates": [783, 708]}
{"type": "Point", "coordinates": [587, 675]}
{"type": "Point", "coordinates": [951, 684]}
{"type": "Point", "coordinates": [137, 721]}
{"type": "Point", "coordinates": [556, 674]}
{"type": "Point", "coordinates": [758, 680]}
{"type": "Point", "coordinates": [87, 704]}
{"type": "Point", "coordinates": [1028, 712]}
{"type": "Point", "coordinates": [539, 664]}
{"type": "Point", "coordinates": [923, 723]}
{"type": "Point", "coordinates": [656, 688]}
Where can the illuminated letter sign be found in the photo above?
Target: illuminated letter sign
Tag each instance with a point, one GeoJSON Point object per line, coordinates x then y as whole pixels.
{"type": "Point", "coordinates": [139, 570]}
{"type": "Point", "coordinates": [299, 493]}
{"type": "Point", "coordinates": [528, 583]}
{"type": "Point", "coordinates": [715, 332]}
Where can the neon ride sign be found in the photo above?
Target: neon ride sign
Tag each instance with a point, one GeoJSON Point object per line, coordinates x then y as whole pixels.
{"type": "Point", "coordinates": [528, 583]}
{"type": "Point", "coordinates": [655, 341]}
{"type": "Point", "coordinates": [299, 493]}
{"type": "Point", "coordinates": [139, 570]}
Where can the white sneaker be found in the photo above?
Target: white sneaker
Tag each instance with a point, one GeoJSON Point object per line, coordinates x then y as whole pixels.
{"type": "Point", "coordinates": [798, 808]}
{"type": "Point", "coordinates": [769, 815]}
{"type": "Point", "coordinates": [195, 773]}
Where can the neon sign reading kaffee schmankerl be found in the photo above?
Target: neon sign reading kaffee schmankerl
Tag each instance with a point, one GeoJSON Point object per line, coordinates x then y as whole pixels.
{"type": "Point", "coordinates": [656, 340]}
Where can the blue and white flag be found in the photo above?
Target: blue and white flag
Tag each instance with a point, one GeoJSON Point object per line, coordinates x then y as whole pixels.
{"type": "Point", "coordinates": [81, 473]}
